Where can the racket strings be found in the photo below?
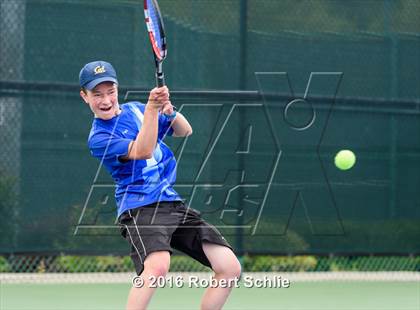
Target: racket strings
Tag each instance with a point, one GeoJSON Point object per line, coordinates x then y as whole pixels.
{"type": "Point", "coordinates": [155, 28]}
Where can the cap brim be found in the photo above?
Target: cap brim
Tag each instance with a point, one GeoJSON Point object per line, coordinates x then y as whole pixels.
{"type": "Point", "coordinates": [91, 85]}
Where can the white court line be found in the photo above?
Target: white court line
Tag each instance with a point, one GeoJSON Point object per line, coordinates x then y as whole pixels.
{"type": "Point", "coordinates": [126, 277]}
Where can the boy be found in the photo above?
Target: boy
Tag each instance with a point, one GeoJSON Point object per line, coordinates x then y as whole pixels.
{"type": "Point", "coordinates": [128, 140]}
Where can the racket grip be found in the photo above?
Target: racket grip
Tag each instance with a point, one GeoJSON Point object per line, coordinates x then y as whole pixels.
{"type": "Point", "coordinates": [160, 79]}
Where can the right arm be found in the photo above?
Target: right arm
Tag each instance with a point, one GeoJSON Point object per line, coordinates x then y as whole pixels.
{"type": "Point", "coordinates": [145, 143]}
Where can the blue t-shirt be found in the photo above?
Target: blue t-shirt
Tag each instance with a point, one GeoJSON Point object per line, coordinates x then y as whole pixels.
{"type": "Point", "coordinates": [138, 182]}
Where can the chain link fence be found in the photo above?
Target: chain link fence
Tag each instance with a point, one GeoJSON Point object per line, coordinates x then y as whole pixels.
{"type": "Point", "coordinates": [11, 68]}
{"type": "Point", "coordinates": [259, 263]}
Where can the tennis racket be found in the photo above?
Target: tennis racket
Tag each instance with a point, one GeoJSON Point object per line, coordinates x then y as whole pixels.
{"type": "Point", "coordinates": [156, 31]}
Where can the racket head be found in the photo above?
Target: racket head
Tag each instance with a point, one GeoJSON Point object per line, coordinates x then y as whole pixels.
{"type": "Point", "coordinates": [155, 28]}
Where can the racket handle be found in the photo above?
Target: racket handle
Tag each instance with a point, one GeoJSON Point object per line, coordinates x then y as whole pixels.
{"type": "Point", "coordinates": [160, 79]}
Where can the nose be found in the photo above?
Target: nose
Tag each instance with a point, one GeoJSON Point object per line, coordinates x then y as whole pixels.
{"type": "Point", "coordinates": [107, 99]}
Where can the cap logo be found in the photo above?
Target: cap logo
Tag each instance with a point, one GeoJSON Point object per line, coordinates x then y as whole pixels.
{"type": "Point", "coordinates": [99, 69]}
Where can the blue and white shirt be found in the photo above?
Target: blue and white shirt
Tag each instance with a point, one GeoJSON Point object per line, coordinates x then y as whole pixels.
{"type": "Point", "coordinates": [138, 182]}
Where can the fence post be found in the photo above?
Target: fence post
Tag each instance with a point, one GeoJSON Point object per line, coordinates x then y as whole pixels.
{"type": "Point", "coordinates": [243, 38]}
{"type": "Point", "coordinates": [393, 94]}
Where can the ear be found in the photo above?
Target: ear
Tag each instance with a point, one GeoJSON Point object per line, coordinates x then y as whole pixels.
{"type": "Point", "coordinates": [84, 96]}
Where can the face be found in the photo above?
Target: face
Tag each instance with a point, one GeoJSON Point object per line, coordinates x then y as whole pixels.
{"type": "Point", "coordinates": [103, 100]}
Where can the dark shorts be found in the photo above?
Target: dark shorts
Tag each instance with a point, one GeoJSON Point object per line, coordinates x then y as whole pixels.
{"type": "Point", "coordinates": [166, 226]}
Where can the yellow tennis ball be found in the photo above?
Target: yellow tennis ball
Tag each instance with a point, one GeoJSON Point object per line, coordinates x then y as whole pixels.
{"type": "Point", "coordinates": [344, 159]}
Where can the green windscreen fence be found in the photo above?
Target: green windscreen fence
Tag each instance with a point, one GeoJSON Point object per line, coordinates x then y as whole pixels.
{"type": "Point", "coordinates": [273, 90]}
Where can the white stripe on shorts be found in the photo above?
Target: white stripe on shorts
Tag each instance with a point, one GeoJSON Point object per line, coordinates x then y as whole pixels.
{"type": "Point", "coordinates": [138, 232]}
{"type": "Point", "coordinates": [132, 242]}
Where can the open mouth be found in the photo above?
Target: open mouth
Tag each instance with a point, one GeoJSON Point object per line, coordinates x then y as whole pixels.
{"type": "Point", "coordinates": [106, 109]}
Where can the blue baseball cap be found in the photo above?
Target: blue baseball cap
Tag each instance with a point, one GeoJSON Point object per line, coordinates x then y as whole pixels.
{"type": "Point", "coordinates": [97, 72]}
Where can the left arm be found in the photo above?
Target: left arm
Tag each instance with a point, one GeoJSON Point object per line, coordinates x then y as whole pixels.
{"type": "Point", "coordinates": [180, 125]}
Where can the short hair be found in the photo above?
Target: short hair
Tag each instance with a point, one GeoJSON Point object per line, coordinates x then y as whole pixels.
{"type": "Point", "coordinates": [84, 89]}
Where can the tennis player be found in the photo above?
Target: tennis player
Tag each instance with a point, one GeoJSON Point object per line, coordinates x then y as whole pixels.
{"type": "Point", "coordinates": [128, 140]}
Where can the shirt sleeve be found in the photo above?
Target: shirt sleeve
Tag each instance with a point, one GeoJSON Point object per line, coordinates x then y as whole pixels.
{"type": "Point", "coordinates": [165, 128]}
{"type": "Point", "coordinates": [109, 147]}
